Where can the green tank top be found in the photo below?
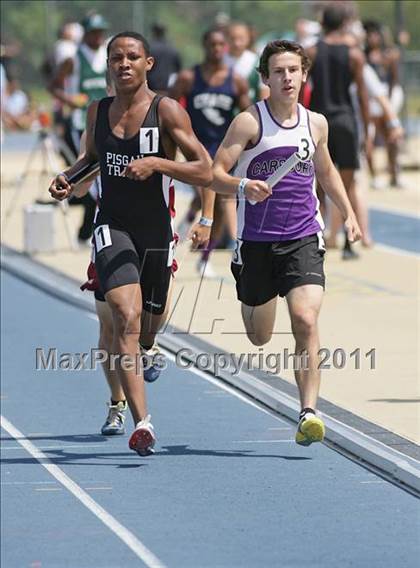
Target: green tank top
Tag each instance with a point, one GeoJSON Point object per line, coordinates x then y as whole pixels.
{"type": "Point", "coordinates": [90, 83]}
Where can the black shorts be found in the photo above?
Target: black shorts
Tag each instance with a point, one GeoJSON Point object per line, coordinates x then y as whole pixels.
{"type": "Point", "coordinates": [99, 295]}
{"type": "Point", "coordinates": [121, 258]}
{"type": "Point", "coordinates": [263, 270]}
{"type": "Point", "coordinates": [343, 141]}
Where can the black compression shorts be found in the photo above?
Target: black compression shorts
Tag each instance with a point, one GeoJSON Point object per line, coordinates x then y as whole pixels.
{"type": "Point", "coordinates": [121, 258]}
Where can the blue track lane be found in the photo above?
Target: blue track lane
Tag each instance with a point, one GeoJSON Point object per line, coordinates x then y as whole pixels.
{"type": "Point", "coordinates": [226, 487]}
{"type": "Point", "coordinates": [395, 230]}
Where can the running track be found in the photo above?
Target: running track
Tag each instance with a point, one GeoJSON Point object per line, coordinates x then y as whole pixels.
{"type": "Point", "coordinates": [395, 229]}
{"type": "Point", "coordinates": [227, 486]}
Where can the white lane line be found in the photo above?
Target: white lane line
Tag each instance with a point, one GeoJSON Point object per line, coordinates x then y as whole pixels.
{"type": "Point", "coordinates": [28, 483]}
{"type": "Point", "coordinates": [283, 428]}
{"type": "Point", "coordinates": [57, 447]}
{"type": "Point", "coordinates": [48, 489]}
{"type": "Point", "coordinates": [128, 538]}
{"type": "Point", "coordinates": [375, 481]}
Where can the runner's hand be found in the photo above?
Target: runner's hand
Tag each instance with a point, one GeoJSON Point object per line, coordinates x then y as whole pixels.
{"type": "Point", "coordinates": [200, 235]}
{"type": "Point", "coordinates": [257, 190]}
{"type": "Point", "coordinates": [141, 169]}
{"type": "Point", "coordinates": [352, 228]}
{"type": "Point", "coordinates": [60, 188]}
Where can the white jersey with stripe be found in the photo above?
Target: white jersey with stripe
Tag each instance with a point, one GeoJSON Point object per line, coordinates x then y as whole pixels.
{"type": "Point", "coordinates": [292, 211]}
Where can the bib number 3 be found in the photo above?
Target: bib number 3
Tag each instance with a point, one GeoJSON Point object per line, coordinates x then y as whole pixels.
{"type": "Point", "coordinates": [303, 151]}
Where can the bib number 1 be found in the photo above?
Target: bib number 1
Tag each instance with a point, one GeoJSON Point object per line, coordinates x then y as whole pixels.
{"type": "Point", "coordinates": [149, 140]}
{"type": "Point", "coordinates": [102, 237]}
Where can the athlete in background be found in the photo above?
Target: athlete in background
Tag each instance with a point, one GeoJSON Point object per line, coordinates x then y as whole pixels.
{"type": "Point", "coordinates": [77, 82]}
{"type": "Point", "coordinates": [337, 63]}
{"type": "Point", "coordinates": [213, 91]}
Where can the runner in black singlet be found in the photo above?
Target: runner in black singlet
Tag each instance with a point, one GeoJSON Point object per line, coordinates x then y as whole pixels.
{"type": "Point", "coordinates": [134, 136]}
{"type": "Point", "coordinates": [337, 63]}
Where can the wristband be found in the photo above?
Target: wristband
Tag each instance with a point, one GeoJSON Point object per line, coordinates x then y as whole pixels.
{"type": "Point", "coordinates": [241, 187]}
{"type": "Point", "coordinates": [394, 123]}
{"type": "Point", "coordinates": [205, 221]}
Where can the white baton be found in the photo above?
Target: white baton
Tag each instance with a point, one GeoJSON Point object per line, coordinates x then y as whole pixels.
{"type": "Point", "coordinates": [280, 172]}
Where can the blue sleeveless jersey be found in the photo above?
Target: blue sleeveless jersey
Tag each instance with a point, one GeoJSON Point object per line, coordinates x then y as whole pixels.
{"type": "Point", "coordinates": [211, 109]}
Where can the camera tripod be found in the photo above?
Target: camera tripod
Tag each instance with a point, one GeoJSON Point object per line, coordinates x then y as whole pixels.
{"type": "Point", "coordinates": [45, 146]}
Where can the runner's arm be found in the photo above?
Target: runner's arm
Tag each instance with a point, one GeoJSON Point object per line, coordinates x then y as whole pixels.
{"type": "Point", "coordinates": [243, 129]}
{"type": "Point", "coordinates": [82, 188]}
{"type": "Point", "coordinates": [242, 90]}
{"type": "Point", "coordinates": [357, 62]}
{"type": "Point", "coordinates": [56, 86]}
{"type": "Point", "coordinates": [60, 187]}
{"type": "Point", "coordinates": [182, 86]}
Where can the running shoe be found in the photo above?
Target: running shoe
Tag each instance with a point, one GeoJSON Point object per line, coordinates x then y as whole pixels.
{"type": "Point", "coordinates": [378, 184]}
{"type": "Point", "coordinates": [114, 424]}
{"type": "Point", "coordinates": [397, 184]}
{"type": "Point", "coordinates": [310, 429]}
{"type": "Point", "coordinates": [349, 253]}
{"type": "Point", "coordinates": [143, 438]}
{"type": "Point", "coordinates": [151, 367]}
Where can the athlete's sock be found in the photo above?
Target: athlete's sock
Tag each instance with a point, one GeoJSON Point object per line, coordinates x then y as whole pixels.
{"type": "Point", "coordinates": [210, 247]}
{"type": "Point", "coordinates": [305, 411]}
{"type": "Point", "coordinates": [115, 402]}
{"type": "Point", "coordinates": [146, 347]}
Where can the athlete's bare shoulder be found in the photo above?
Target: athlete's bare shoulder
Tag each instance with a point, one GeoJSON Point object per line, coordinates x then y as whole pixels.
{"type": "Point", "coordinates": [318, 125]}
{"type": "Point", "coordinates": [248, 120]}
{"type": "Point", "coordinates": [243, 128]}
{"type": "Point", "coordinates": [356, 56]}
{"type": "Point", "coordinates": [169, 109]}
